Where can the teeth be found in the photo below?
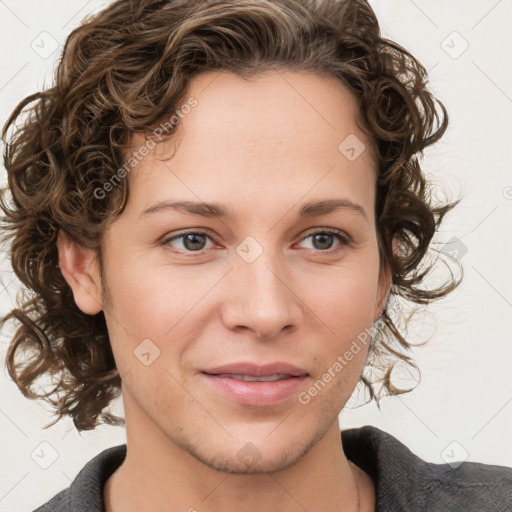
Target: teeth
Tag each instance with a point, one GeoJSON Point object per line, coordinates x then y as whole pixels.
{"type": "Point", "coordinates": [249, 378]}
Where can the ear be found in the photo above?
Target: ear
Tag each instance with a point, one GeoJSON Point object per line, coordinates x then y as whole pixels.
{"type": "Point", "coordinates": [385, 282]}
{"type": "Point", "coordinates": [80, 269]}
{"type": "Point", "coordinates": [383, 291]}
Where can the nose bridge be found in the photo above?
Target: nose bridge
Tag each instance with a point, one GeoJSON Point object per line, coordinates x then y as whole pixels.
{"type": "Point", "coordinates": [261, 275]}
{"type": "Point", "coordinates": [264, 279]}
{"type": "Point", "coordinates": [264, 299]}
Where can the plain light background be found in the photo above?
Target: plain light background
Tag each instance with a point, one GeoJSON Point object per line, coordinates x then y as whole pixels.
{"type": "Point", "coordinates": [462, 409]}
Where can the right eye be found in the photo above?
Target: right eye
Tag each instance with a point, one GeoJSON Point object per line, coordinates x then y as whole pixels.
{"type": "Point", "coordinates": [192, 241]}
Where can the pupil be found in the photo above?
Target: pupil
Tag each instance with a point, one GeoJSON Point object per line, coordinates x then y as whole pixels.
{"type": "Point", "coordinates": [192, 238]}
{"type": "Point", "coordinates": [320, 237]}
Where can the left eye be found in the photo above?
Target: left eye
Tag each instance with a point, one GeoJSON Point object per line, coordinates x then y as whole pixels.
{"type": "Point", "coordinates": [194, 241]}
{"type": "Point", "coordinates": [324, 238]}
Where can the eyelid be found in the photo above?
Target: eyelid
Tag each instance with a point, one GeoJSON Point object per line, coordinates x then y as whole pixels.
{"type": "Point", "coordinates": [195, 231]}
{"type": "Point", "coordinates": [330, 231]}
{"type": "Point", "coordinates": [343, 237]}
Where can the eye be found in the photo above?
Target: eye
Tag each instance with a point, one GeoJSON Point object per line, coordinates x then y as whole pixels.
{"type": "Point", "coordinates": [192, 241]}
{"type": "Point", "coordinates": [196, 241]}
{"type": "Point", "coordinates": [322, 240]}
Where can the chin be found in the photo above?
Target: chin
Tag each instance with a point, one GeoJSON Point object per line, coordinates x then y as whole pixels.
{"type": "Point", "coordinates": [252, 453]}
{"type": "Point", "coordinates": [251, 460]}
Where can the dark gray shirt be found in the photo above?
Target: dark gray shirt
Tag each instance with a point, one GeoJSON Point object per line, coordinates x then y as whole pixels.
{"type": "Point", "coordinates": [404, 482]}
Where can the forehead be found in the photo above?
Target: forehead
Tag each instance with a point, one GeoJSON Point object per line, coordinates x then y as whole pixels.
{"type": "Point", "coordinates": [280, 132]}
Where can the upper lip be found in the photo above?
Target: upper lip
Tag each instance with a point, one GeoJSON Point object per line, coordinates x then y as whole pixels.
{"type": "Point", "coordinates": [254, 370]}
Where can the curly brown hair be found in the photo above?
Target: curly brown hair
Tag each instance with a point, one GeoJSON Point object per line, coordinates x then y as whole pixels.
{"type": "Point", "coordinates": [125, 68]}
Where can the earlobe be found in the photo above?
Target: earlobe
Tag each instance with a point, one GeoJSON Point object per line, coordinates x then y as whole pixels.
{"type": "Point", "coordinates": [80, 269]}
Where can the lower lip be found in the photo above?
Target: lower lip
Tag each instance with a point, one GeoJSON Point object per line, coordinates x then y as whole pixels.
{"type": "Point", "coordinates": [256, 393]}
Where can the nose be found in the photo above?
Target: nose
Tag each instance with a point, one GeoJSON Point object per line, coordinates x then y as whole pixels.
{"type": "Point", "coordinates": [261, 298]}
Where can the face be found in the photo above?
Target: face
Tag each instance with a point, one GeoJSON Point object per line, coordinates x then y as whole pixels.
{"type": "Point", "coordinates": [274, 280]}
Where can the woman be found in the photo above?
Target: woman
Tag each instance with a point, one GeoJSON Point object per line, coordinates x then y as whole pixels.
{"type": "Point", "coordinates": [282, 138]}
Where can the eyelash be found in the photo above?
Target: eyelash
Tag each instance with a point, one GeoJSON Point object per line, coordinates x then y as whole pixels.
{"type": "Point", "coordinates": [340, 235]}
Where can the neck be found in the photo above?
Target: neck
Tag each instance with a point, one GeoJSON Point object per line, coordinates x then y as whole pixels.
{"type": "Point", "coordinates": [158, 475]}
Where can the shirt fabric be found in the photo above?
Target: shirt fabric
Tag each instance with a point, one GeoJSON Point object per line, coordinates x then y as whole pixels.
{"type": "Point", "coordinates": [403, 481]}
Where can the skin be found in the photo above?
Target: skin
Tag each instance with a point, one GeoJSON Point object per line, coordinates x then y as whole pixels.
{"type": "Point", "coordinates": [262, 148]}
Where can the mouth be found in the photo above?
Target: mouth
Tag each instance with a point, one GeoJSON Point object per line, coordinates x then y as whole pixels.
{"type": "Point", "coordinates": [253, 385]}
{"type": "Point", "coordinates": [251, 378]}
{"type": "Point", "coordinates": [275, 370]}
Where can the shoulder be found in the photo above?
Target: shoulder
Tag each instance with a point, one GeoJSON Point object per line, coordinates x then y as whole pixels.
{"type": "Point", "coordinates": [404, 481]}
{"type": "Point", "coordinates": [85, 494]}
{"type": "Point", "coordinates": [475, 485]}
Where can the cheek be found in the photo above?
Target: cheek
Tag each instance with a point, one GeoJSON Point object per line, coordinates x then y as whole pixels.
{"type": "Point", "coordinates": [150, 300]}
{"type": "Point", "coordinates": [345, 307]}
{"type": "Point", "coordinates": [345, 300]}
{"type": "Point", "coordinates": [160, 311]}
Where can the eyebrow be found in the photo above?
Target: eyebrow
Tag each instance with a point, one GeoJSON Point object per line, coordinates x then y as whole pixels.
{"type": "Point", "coordinates": [311, 209]}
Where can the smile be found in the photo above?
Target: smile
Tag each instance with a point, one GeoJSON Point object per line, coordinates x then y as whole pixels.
{"type": "Point", "coordinates": [250, 390]}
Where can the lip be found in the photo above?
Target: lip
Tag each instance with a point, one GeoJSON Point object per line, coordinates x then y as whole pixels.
{"type": "Point", "coordinates": [254, 370]}
{"type": "Point", "coordinates": [256, 394]}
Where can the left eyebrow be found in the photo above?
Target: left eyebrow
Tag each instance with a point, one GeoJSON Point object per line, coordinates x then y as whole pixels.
{"type": "Point", "coordinates": [317, 208]}
{"type": "Point", "coordinates": [311, 209]}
